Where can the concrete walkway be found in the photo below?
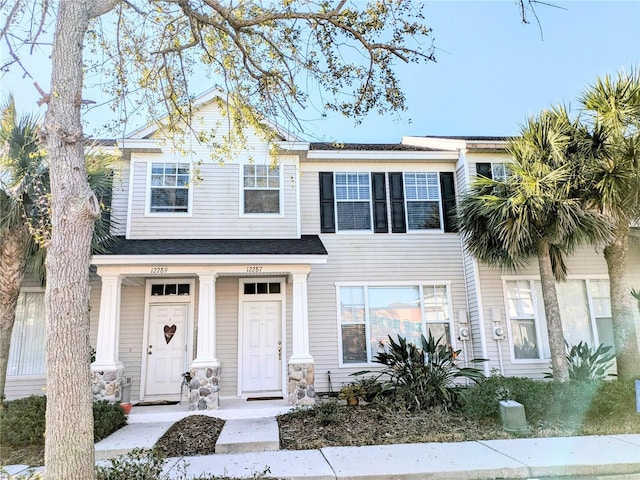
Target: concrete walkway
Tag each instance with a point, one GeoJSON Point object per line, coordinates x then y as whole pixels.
{"type": "Point", "coordinates": [612, 457]}
{"type": "Point", "coordinates": [507, 459]}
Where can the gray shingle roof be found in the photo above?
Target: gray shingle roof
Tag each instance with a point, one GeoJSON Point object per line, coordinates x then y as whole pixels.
{"type": "Point", "coordinates": [305, 245]}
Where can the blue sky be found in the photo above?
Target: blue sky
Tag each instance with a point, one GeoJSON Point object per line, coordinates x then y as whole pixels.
{"type": "Point", "coordinates": [492, 71]}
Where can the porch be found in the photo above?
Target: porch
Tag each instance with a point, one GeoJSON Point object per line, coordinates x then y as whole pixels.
{"type": "Point", "coordinates": [234, 325]}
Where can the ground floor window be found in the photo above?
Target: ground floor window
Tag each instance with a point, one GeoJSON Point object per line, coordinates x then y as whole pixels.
{"type": "Point", "coordinates": [585, 310]}
{"type": "Point", "coordinates": [369, 314]}
{"type": "Point", "coordinates": [27, 352]}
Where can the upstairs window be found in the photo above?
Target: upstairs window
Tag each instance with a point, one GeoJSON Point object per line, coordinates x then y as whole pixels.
{"type": "Point", "coordinates": [261, 189]}
{"type": "Point", "coordinates": [422, 194]}
{"type": "Point", "coordinates": [169, 188]}
{"type": "Point", "coordinates": [366, 202]}
{"type": "Point", "coordinates": [353, 201]}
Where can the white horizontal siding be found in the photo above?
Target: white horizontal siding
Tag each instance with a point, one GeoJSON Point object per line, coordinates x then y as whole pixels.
{"type": "Point", "coordinates": [120, 197]}
{"type": "Point", "coordinates": [227, 333]}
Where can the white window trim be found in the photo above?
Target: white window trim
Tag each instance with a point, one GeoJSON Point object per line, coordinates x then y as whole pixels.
{"type": "Point", "coordinates": [537, 318]}
{"type": "Point", "coordinates": [147, 210]}
{"type": "Point", "coordinates": [241, 213]}
{"type": "Point", "coordinates": [504, 164]}
{"type": "Point", "coordinates": [422, 231]}
{"type": "Point", "coordinates": [413, 283]}
{"type": "Point", "coordinates": [335, 204]}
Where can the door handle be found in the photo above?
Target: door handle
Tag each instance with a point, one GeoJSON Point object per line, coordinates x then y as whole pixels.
{"type": "Point", "coordinates": [279, 350]}
{"type": "Point", "coordinates": [149, 351]}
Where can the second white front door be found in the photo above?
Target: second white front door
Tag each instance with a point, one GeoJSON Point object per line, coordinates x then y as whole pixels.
{"type": "Point", "coordinates": [166, 348]}
{"type": "Point", "coordinates": [262, 347]}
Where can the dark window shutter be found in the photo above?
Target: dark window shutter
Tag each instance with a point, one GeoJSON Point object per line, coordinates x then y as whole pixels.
{"type": "Point", "coordinates": [484, 169]}
{"type": "Point", "coordinates": [378, 187]}
{"type": "Point", "coordinates": [396, 191]}
{"type": "Point", "coordinates": [327, 214]}
{"type": "Point", "coordinates": [448, 192]}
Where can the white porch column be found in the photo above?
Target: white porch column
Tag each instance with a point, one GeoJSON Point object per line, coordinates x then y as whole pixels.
{"type": "Point", "coordinates": [206, 342]}
{"type": "Point", "coordinates": [108, 341]}
{"type": "Point", "coordinates": [107, 370]}
{"type": "Point", "coordinates": [300, 324]}
{"type": "Point", "coordinates": [205, 370]}
{"type": "Point", "coordinates": [301, 368]}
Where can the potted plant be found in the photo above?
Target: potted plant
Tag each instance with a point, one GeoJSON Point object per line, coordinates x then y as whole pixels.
{"type": "Point", "coordinates": [352, 393]}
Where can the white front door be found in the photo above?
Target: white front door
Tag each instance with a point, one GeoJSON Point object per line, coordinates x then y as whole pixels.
{"type": "Point", "coordinates": [262, 347]}
{"type": "Point", "coordinates": [166, 348]}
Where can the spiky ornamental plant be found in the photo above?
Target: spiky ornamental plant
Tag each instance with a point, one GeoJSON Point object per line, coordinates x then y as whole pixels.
{"type": "Point", "coordinates": [534, 213]}
{"type": "Point", "coordinates": [424, 376]}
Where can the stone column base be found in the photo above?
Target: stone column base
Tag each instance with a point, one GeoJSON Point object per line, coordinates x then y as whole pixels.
{"type": "Point", "coordinates": [204, 388]}
{"type": "Point", "coordinates": [107, 385]}
{"type": "Point", "coordinates": [301, 389]}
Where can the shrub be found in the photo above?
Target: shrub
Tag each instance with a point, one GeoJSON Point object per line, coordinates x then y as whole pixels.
{"type": "Point", "coordinates": [23, 421]}
{"type": "Point", "coordinates": [481, 400]}
{"type": "Point", "coordinates": [568, 403]}
{"type": "Point", "coordinates": [424, 377]}
{"type": "Point", "coordinates": [328, 413]}
{"type": "Point", "coordinates": [612, 399]}
{"type": "Point", "coordinates": [107, 418]}
{"type": "Point", "coordinates": [138, 464]}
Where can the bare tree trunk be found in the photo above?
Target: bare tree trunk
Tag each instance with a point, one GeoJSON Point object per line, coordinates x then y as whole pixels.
{"type": "Point", "coordinates": [624, 328]}
{"type": "Point", "coordinates": [13, 259]}
{"type": "Point", "coordinates": [559, 361]}
{"type": "Point", "coordinates": [69, 450]}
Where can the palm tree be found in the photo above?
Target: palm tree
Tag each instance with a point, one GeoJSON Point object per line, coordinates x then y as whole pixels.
{"type": "Point", "coordinates": [24, 224]}
{"type": "Point", "coordinates": [612, 184]}
{"type": "Point", "coordinates": [21, 163]}
{"type": "Point", "coordinates": [534, 213]}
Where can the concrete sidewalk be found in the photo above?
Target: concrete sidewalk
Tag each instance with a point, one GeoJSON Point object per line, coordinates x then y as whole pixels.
{"type": "Point", "coordinates": [593, 456]}
{"type": "Point", "coordinates": [613, 456]}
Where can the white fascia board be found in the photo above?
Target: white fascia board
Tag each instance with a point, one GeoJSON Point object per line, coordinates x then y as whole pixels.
{"type": "Point", "coordinates": [293, 146]}
{"type": "Point", "coordinates": [141, 144]}
{"type": "Point", "coordinates": [386, 155]}
{"type": "Point", "coordinates": [207, 259]}
{"type": "Point", "coordinates": [430, 142]}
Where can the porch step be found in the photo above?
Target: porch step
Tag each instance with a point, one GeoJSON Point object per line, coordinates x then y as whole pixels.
{"type": "Point", "coordinates": [249, 435]}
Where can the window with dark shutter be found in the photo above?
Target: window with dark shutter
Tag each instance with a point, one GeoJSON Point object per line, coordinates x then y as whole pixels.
{"type": "Point", "coordinates": [422, 194]}
{"type": "Point", "coordinates": [484, 169]}
{"type": "Point", "coordinates": [379, 188]}
{"type": "Point", "coordinates": [396, 192]}
{"type": "Point", "coordinates": [448, 192]}
{"type": "Point", "coordinates": [327, 214]}
{"type": "Point", "coordinates": [353, 200]}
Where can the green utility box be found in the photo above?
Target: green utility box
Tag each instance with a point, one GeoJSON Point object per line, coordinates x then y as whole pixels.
{"type": "Point", "coordinates": [513, 417]}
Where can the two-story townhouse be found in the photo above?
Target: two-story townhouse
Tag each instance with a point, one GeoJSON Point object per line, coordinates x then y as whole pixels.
{"type": "Point", "coordinates": [281, 278]}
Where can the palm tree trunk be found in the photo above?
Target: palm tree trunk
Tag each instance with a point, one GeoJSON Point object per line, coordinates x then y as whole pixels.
{"type": "Point", "coordinates": [13, 259]}
{"type": "Point", "coordinates": [559, 361]}
{"type": "Point", "coordinates": [624, 329]}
